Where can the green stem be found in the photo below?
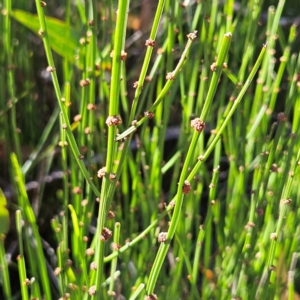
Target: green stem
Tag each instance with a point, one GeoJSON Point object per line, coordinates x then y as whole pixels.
{"type": "Point", "coordinates": [229, 115]}
{"type": "Point", "coordinates": [51, 68]}
{"type": "Point", "coordinates": [163, 249]}
{"type": "Point", "coordinates": [21, 258]}
{"type": "Point", "coordinates": [171, 77]}
{"type": "Point", "coordinates": [4, 267]}
{"type": "Point", "coordinates": [10, 74]}
{"type": "Point", "coordinates": [30, 218]}
{"type": "Point", "coordinates": [119, 41]}
{"type": "Point", "coordinates": [146, 61]}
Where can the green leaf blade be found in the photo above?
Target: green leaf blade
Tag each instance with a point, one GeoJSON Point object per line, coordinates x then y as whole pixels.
{"type": "Point", "coordinates": [64, 40]}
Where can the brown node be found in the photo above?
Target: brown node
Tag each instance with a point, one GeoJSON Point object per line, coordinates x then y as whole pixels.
{"type": "Point", "coordinates": [274, 168]}
{"type": "Point", "coordinates": [160, 51]}
{"type": "Point", "coordinates": [197, 124]}
{"type": "Point", "coordinates": [92, 290]}
{"type": "Point", "coordinates": [192, 35]}
{"type": "Point", "coordinates": [89, 252]}
{"type": "Point", "coordinates": [84, 82]}
{"type": "Point", "coordinates": [77, 118]}
{"type": "Point", "coordinates": [297, 77]}
{"type": "Point", "coordinates": [83, 41]}
{"type": "Point", "coordinates": [77, 190]}
{"type": "Point", "coordinates": [172, 204]}
{"type": "Point", "coordinates": [249, 225]}
{"type": "Point", "coordinates": [101, 172]}
{"type": "Point", "coordinates": [91, 106]}
{"type": "Point", "coordinates": [170, 76]}
{"type": "Point", "coordinates": [110, 215]}
{"type": "Point", "coordinates": [186, 187]}
{"type": "Point", "coordinates": [116, 247]}
{"type": "Point", "coordinates": [113, 121]}
{"type": "Point", "coordinates": [106, 234]}
{"type": "Point", "coordinates": [162, 237]}
{"type": "Point", "coordinates": [112, 176]}
{"type": "Point", "coordinates": [286, 201]}
{"type": "Point", "coordinates": [50, 69]}
{"type": "Point", "coordinates": [282, 117]}
{"type": "Point", "coordinates": [57, 271]}
{"type": "Point", "coordinates": [149, 114]}
{"type": "Point", "coordinates": [62, 144]}
{"type": "Point", "coordinates": [272, 268]}
{"type": "Point", "coordinates": [123, 55]}
{"type": "Point", "coordinates": [72, 286]}
{"type": "Point", "coordinates": [150, 43]}
{"type": "Point", "coordinates": [93, 266]}
{"type": "Point", "coordinates": [151, 297]}
{"type": "Point", "coordinates": [213, 67]}
{"type": "Point", "coordinates": [69, 263]}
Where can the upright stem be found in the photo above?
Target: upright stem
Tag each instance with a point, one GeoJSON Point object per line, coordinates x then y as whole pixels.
{"type": "Point", "coordinates": [180, 194]}
{"type": "Point", "coordinates": [11, 83]}
{"type": "Point", "coordinates": [51, 68]}
{"type": "Point", "coordinates": [118, 58]}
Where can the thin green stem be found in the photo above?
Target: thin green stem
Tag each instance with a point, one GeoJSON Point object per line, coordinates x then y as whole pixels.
{"type": "Point", "coordinates": [170, 77]}
{"type": "Point", "coordinates": [229, 115]}
{"type": "Point", "coordinates": [51, 68]}
{"type": "Point", "coordinates": [10, 74]}
{"type": "Point", "coordinates": [120, 34]}
{"type": "Point", "coordinates": [163, 249]}
{"type": "Point", "coordinates": [30, 218]}
{"type": "Point", "coordinates": [21, 259]}
{"type": "Point", "coordinates": [4, 267]}
{"type": "Point", "coordinates": [146, 61]}
{"type": "Point", "coordinates": [113, 268]}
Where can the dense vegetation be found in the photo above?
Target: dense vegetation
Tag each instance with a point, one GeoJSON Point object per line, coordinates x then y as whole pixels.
{"type": "Point", "coordinates": [149, 149]}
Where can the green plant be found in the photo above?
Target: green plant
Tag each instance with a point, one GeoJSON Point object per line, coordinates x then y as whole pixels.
{"type": "Point", "coordinates": [220, 198]}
